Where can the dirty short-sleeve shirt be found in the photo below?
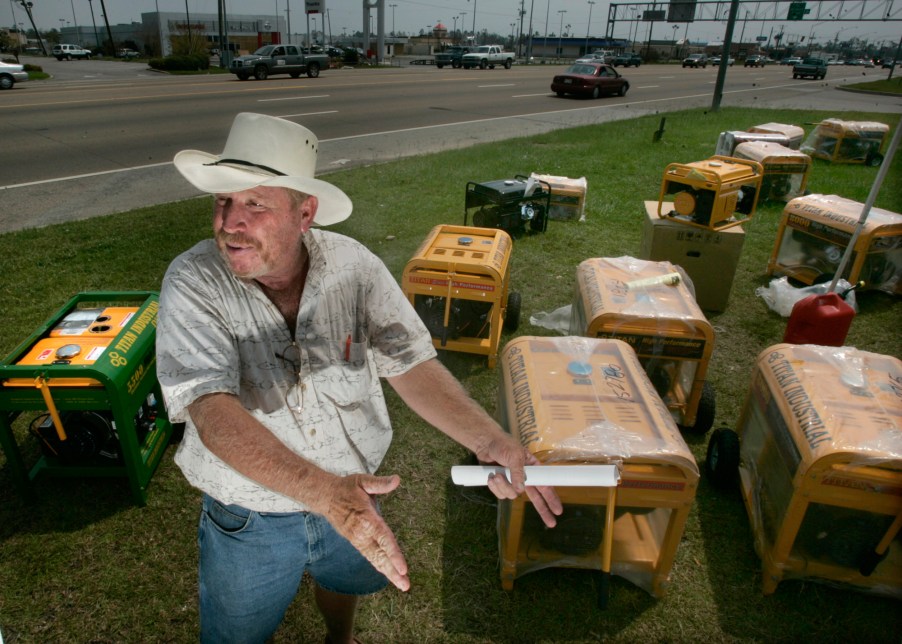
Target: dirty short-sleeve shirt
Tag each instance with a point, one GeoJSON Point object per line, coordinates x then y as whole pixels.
{"type": "Point", "coordinates": [320, 395]}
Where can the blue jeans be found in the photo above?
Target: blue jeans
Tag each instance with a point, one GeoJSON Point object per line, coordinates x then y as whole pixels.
{"type": "Point", "coordinates": [252, 563]}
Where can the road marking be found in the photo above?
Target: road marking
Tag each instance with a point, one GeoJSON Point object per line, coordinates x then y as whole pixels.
{"type": "Point", "coordinates": [288, 116]}
{"type": "Point", "coordinates": [794, 84]}
{"type": "Point", "coordinates": [646, 86]}
{"type": "Point", "coordinates": [529, 95]}
{"type": "Point", "coordinates": [291, 98]}
{"type": "Point", "coordinates": [499, 85]}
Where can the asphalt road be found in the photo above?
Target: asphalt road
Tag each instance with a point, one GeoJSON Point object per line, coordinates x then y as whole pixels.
{"type": "Point", "coordinates": [99, 136]}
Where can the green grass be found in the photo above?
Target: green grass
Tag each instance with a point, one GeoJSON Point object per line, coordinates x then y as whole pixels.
{"type": "Point", "coordinates": [888, 85]}
{"type": "Point", "coordinates": [83, 564]}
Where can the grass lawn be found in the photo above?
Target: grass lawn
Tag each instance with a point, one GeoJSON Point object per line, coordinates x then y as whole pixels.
{"type": "Point", "coordinates": [84, 564]}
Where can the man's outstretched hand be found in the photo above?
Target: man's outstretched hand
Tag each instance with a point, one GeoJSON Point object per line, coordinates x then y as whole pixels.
{"type": "Point", "coordinates": [352, 512]}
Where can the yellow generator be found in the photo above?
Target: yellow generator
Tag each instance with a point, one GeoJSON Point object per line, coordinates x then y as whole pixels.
{"type": "Point", "coordinates": [841, 141]}
{"type": "Point", "coordinates": [815, 231]}
{"type": "Point", "coordinates": [794, 133]}
{"type": "Point", "coordinates": [819, 460]}
{"type": "Point", "coordinates": [651, 306]}
{"type": "Point", "coordinates": [577, 401]}
{"type": "Point", "coordinates": [718, 193]}
{"type": "Point", "coordinates": [458, 283]}
{"type": "Point", "coordinates": [785, 170]}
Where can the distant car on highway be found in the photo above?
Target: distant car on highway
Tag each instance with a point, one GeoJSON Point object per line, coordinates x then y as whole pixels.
{"type": "Point", "coordinates": [63, 51]}
{"type": "Point", "coordinates": [10, 74]}
{"type": "Point", "coordinates": [716, 60]}
{"type": "Point", "coordinates": [595, 57]}
{"type": "Point", "coordinates": [755, 61]}
{"type": "Point", "coordinates": [695, 60]}
{"type": "Point", "coordinates": [589, 79]}
{"type": "Point", "coordinates": [627, 60]}
{"type": "Point", "coordinates": [792, 60]}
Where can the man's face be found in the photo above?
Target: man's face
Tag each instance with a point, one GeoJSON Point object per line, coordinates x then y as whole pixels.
{"type": "Point", "coordinates": [259, 231]}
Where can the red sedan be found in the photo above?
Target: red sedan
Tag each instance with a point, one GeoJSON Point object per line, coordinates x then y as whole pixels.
{"type": "Point", "coordinates": [590, 79]}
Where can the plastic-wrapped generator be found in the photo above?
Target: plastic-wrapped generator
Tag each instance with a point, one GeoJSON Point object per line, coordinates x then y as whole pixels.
{"type": "Point", "coordinates": [573, 400]}
{"type": "Point", "coordinates": [818, 448]}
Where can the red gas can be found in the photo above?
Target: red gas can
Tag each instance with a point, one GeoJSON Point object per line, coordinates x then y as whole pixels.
{"type": "Point", "coordinates": [819, 319]}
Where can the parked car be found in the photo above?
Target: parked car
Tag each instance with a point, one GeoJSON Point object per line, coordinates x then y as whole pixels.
{"type": "Point", "coordinates": [627, 59]}
{"type": "Point", "coordinates": [888, 64]}
{"type": "Point", "coordinates": [755, 61]}
{"type": "Point", "coordinates": [594, 57]}
{"type": "Point", "coordinates": [10, 74]}
{"type": "Point", "coordinates": [68, 52]}
{"type": "Point", "coordinates": [127, 53]}
{"type": "Point", "coordinates": [590, 79]}
{"type": "Point", "coordinates": [716, 60]}
{"type": "Point", "coordinates": [792, 60]}
{"type": "Point", "coordinates": [695, 60]}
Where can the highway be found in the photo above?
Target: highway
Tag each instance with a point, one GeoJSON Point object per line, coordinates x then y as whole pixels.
{"type": "Point", "coordinates": [99, 136]}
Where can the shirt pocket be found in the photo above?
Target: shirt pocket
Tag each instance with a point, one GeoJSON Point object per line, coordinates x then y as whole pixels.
{"type": "Point", "coordinates": [343, 373]}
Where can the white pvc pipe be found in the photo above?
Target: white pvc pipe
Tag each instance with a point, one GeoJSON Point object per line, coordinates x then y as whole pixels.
{"type": "Point", "coordinates": [553, 475]}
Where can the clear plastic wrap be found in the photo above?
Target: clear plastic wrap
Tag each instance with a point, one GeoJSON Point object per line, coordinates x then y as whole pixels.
{"type": "Point", "coordinates": [780, 296]}
{"type": "Point", "coordinates": [640, 302]}
{"type": "Point", "coordinates": [576, 400]}
{"type": "Point", "coordinates": [815, 231]}
{"type": "Point", "coordinates": [821, 465]}
{"type": "Point", "coordinates": [846, 141]}
{"type": "Point", "coordinates": [785, 170]}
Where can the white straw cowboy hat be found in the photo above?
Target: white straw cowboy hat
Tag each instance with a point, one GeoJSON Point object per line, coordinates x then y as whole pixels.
{"type": "Point", "coordinates": [265, 151]}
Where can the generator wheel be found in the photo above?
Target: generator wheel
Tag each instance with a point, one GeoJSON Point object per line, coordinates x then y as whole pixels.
{"type": "Point", "coordinates": [722, 461]}
{"type": "Point", "coordinates": [704, 415]}
{"type": "Point", "coordinates": [512, 318]}
{"type": "Point", "coordinates": [873, 159]}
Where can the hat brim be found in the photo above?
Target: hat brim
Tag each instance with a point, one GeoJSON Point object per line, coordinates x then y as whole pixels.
{"type": "Point", "coordinates": [196, 166]}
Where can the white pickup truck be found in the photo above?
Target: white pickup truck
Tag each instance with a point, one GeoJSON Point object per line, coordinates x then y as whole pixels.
{"type": "Point", "coordinates": [488, 56]}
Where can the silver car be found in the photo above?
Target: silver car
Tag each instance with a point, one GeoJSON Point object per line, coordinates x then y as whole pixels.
{"type": "Point", "coordinates": [10, 74]}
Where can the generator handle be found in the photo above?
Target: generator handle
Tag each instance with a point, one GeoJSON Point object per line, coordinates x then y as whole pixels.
{"type": "Point", "coordinates": [43, 386]}
{"type": "Point", "coordinates": [754, 165]}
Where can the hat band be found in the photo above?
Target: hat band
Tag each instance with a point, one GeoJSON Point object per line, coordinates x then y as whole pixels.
{"type": "Point", "coordinates": [248, 164]}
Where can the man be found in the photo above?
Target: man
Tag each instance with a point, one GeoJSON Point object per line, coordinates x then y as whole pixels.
{"type": "Point", "coordinates": [271, 341]}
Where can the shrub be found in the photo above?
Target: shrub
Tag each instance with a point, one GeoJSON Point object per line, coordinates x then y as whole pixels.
{"type": "Point", "coordinates": [182, 63]}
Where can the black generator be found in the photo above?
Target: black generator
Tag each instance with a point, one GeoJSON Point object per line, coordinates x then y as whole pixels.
{"type": "Point", "coordinates": [516, 206]}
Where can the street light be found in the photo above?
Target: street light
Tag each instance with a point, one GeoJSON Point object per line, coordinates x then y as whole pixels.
{"type": "Point", "coordinates": [93, 22]}
{"type": "Point", "coordinates": [589, 26]}
{"type": "Point", "coordinates": [560, 34]}
{"type": "Point", "coordinates": [27, 6]}
{"type": "Point", "coordinates": [393, 19]}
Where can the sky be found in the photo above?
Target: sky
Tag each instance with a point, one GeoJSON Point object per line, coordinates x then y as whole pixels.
{"type": "Point", "coordinates": [416, 16]}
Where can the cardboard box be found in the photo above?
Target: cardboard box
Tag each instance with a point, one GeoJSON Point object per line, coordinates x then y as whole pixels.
{"type": "Point", "coordinates": [709, 257]}
{"type": "Point", "coordinates": [568, 197]}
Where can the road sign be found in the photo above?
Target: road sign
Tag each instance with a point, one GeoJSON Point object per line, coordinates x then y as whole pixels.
{"type": "Point", "coordinates": [797, 11]}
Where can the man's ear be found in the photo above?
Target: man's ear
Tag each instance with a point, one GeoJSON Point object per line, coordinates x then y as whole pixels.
{"type": "Point", "coordinates": [308, 212]}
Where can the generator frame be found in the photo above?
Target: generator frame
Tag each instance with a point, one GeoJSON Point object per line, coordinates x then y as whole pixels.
{"type": "Point", "coordinates": [118, 382]}
{"type": "Point", "coordinates": [719, 175]}
{"type": "Point", "coordinates": [466, 263]}
{"type": "Point", "coordinates": [507, 197]}
{"type": "Point", "coordinates": [781, 165]}
{"type": "Point", "coordinates": [839, 141]}
{"type": "Point", "coordinates": [561, 397]}
{"type": "Point", "coordinates": [818, 466]}
{"type": "Point", "coordinates": [829, 222]}
{"type": "Point", "coordinates": [662, 323]}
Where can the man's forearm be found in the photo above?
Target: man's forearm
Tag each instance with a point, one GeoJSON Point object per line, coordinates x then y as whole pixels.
{"type": "Point", "coordinates": [431, 391]}
{"type": "Point", "coordinates": [238, 439]}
